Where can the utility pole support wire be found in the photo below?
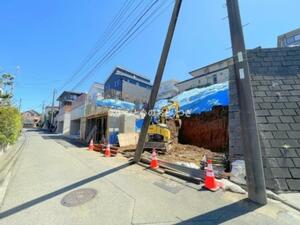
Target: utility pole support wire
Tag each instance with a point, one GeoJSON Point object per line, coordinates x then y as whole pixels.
{"type": "Point", "coordinates": [250, 139]}
{"type": "Point", "coordinates": [158, 77]}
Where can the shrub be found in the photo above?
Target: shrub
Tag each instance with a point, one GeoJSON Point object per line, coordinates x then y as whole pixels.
{"type": "Point", "coordinates": [10, 125]}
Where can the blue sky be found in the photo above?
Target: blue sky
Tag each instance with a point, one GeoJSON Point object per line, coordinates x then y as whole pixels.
{"type": "Point", "coordinates": [44, 42]}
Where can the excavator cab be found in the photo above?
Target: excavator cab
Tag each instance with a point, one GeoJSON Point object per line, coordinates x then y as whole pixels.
{"type": "Point", "coordinates": [159, 135]}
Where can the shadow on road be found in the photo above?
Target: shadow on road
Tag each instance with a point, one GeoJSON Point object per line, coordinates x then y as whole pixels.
{"type": "Point", "coordinates": [36, 130]}
{"type": "Point", "coordinates": [223, 214]}
{"type": "Point", "coordinates": [53, 194]}
{"type": "Point", "coordinates": [64, 141]}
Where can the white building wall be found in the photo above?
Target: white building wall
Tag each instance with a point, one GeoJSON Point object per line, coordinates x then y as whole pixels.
{"type": "Point", "coordinates": [78, 112]}
{"type": "Point", "coordinates": [60, 117]}
{"type": "Point", "coordinates": [202, 81]}
{"type": "Point", "coordinates": [75, 127]}
{"type": "Point", "coordinates": [60, 127]}
{"type": "Point", "coordinates": [82, 128]}
{"type": "Point", "coordinates": [67, 123]}
{"type": "Point", "coordinates": [95, 93]}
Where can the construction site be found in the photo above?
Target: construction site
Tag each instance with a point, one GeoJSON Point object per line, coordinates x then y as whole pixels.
{"type": "Point", "coordinates": [184, 131]}
{"type": "Point", "coordinates": [209, 134]}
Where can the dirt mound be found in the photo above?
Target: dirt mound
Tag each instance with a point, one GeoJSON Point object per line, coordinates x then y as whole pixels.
{"type": "Point", "coordinates": [189, 153]}
{"type": "Point", "coordinates": [174, 131]}
{"type": "Point", "coordinates": [180, 152]}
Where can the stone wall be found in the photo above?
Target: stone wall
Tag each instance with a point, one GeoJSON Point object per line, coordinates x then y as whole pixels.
{"type": "Point", "coordinates": [275, 75]}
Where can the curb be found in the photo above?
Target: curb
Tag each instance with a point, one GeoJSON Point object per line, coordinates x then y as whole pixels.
{"type": "Point", "coordinates": [271, 195]}
{"type": "Point", "coordinates": [6, 167]}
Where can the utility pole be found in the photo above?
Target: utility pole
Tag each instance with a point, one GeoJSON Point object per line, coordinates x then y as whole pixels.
{"type": "Point", "coordinates": [52, 108]}
{"type": "Point", "coordinates": [158, 77]}
{"type": "Point", "coordinates": [20, 104]}
{"type": "Point", "coordinates": [43, 112]}
{"type": "Point", "coordinates": [43, 107]}
{"type": "Point", "coordinates": [250, 139]}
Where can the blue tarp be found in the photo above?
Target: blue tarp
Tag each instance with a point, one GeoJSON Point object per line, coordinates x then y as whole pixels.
{"type": "Point", "coordinates": [115, 104]}
{"type": "Point", "coordinates": [113, 138]}
{"type": "Point", "coordinates": [138, 125]}
{"type": "Point", "coordinates": [199, 100]}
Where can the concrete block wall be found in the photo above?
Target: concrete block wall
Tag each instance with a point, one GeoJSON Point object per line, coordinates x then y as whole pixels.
{"type": "Point", "coordinates": [127, 123]}
{"type": "Point", "coordinates": [82, 128]}
{"type": "Point", "coordinates": [67, 123]}
{"type": "Point", "coordinates": [119, 121]}
{"type": "Point", "coordinates": [275, 75]}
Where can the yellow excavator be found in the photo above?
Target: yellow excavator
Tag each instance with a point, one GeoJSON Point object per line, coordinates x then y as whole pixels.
{"type": "Point", "coordinates": [159, 135]}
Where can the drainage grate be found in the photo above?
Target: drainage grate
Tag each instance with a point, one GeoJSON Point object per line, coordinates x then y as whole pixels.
{"type": "Point", "coordinates": [78, 197]}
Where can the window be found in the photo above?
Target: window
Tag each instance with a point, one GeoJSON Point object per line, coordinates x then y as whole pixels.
{"type": "Point", "coordinates": [215, 80]}
{"type": "Point", "coordinates": [290, 40]}
{"type": "Point", "coordinates": [297, 37]}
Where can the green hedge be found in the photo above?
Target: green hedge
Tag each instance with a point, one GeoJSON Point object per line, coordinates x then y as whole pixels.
{"type": "Point", "coordinates": [10, 125]}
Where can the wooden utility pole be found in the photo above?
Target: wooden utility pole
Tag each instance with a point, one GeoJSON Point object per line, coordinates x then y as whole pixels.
{"type": "Point", "coordinates": [52, 108]}
{"type": "Point", "coordinates": [250, 139]}
{"type": "Point", "coordinates": [158, 77]}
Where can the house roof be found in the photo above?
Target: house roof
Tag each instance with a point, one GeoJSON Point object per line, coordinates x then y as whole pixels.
{"type": "Point", "coordinates": [130, 74]}
{"type": "Point", "coordinates": [49, 106]}
{"type": "Point", "coordinates": [32, 112]}
{"type": "Point", "coordinates": [201, 68]}
{"type": "Point", "coordinates": [68, 92]}
{"type": "Point", "coordinates": [98, 84]}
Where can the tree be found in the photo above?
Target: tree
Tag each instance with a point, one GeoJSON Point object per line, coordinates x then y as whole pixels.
{"type": "Point", "coordinates": [6, 88]}
{"type": "Point", "coordinates": [10, 125]}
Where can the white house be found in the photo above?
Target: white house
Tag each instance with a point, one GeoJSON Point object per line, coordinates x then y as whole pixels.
{"type": "Point", "coordinates": [212, 74]}
{"type": "Point", "coordinates": [63, 118]}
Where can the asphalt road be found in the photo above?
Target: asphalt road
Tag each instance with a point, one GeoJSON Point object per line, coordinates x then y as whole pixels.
{"type": "Point", "coordinates": [57, 182]}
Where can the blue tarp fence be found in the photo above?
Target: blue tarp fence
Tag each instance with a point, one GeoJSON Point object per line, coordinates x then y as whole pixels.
{"type": "Point", "coordinates": [199, 100]}
{"type": "Point", "coordinates": [138, 125]}
{"type": "Point", "coordinates": [115, 104]}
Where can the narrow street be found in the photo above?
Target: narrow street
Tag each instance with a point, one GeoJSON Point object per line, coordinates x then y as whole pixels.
{"type": "Point", "coordinates": [50, 168]}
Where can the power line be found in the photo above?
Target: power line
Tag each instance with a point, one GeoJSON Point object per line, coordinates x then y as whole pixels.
{"type": "Point", "coordinates": [109, 38]}
{"type": "Point", "coordinates": [118, 44]}
{"type": "Point", "coordinates": [119, 15]}
{"type": "Point", "coordinates": [148, 24]}
{"type": "Point", "coordinates": [102, 40]}
{"type": "Point", "coordinates": [122, 41]}
{"type": "Point", "coordinates": [136, 30]}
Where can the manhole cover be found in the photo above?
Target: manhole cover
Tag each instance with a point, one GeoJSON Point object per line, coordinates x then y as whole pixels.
{"type": "Point", "coordinates": [78, 197]}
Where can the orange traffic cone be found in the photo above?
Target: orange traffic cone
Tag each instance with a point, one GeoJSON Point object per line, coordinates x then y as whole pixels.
{"type": "Point", "coordinates": [154, 162]}
{"type": "Point", "coordinates": [210, 181]}
{"type": "Point", "coordinates": [91, 145]}
{"type": "Point", "coordinates": [107, 151]}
